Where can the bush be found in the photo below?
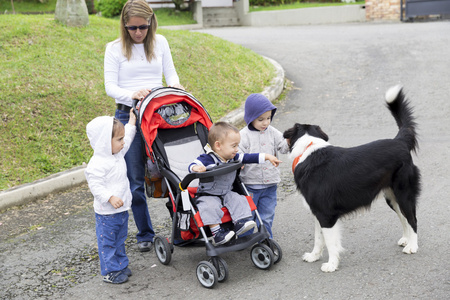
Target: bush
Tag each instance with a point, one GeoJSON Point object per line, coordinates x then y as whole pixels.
{"type": "Point", "coordinates": [90, 6]}
{"type": "Point", "coordinates": [109, 8]}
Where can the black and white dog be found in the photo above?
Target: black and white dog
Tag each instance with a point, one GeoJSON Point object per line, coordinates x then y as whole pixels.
{"type": "Point", "coordinates": [338, 181]}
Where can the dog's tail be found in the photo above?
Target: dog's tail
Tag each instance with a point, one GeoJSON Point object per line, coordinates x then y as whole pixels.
{"type": "Point", "coordinates": [403, 114]}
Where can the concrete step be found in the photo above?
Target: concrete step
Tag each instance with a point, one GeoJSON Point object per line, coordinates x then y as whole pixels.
{"type": "Point", "coordinates": [220, 16]}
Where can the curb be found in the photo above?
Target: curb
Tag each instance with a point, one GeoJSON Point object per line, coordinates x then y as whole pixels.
{"type": "Point", "coordinates": [26, 193]}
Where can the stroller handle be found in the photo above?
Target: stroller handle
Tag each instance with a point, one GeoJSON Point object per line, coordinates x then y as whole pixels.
{"type": "Point", "coordinates": [216, 171]}
{"type": "Point", "coordinates": [134, 103]}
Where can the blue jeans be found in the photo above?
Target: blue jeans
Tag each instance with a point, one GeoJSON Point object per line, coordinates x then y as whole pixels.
{"type": "Point", "coordinates": [136, 175]}
{"type": "Point", "coordinates": [112, 232]}
{"type": "Point", "coordinates": [265, 201]}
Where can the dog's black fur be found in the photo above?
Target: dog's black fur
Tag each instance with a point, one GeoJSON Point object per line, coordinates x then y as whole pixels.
{"type": "Point", "coordinates": [337, 181]}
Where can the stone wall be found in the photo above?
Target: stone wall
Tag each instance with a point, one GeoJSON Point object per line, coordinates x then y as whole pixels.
{"type": "Point", "coordinates": [382, 10]}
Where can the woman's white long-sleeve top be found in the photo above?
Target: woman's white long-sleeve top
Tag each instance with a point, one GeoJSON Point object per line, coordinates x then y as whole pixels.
{"type": "Point", "coordinates": [123, 77]}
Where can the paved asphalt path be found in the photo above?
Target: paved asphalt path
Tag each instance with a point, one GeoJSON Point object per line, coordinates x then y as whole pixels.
{"type": "Point", "coordinates": [339, 75]}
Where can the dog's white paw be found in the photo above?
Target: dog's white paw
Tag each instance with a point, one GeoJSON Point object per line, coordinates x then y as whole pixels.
{"type": "Point", "coordinates": [410, 248]}
{"type": "Point", "coordinates": [402, 242]}
{"type": "Point", "coordinates": [328, 267]}
{"type": "Point", "coordinates": [311, 257]}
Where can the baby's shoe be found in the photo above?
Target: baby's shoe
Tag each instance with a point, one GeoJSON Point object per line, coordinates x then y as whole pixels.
{"type": "Point", "coordinates": [115, 277]}
{"type": "Point", "coordinates": [243, 225]}
{"type": "Point", "coordinates": [222, 236]}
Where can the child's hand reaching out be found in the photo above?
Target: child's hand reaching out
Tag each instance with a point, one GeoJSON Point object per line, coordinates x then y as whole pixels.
{"type": "Point", "coordinates": [273, 159]}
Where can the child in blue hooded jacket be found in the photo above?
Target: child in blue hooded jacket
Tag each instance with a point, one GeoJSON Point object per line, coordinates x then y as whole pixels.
{"type": "Point", "coordinates": [259, 136]}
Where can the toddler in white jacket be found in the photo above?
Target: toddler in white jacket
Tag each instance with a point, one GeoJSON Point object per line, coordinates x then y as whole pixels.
{"type": "Point", "coordinates": [106, 175]}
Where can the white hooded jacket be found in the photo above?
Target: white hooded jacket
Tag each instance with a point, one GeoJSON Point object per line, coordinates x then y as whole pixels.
{"type": "Point", "coordinates": [106, 173]}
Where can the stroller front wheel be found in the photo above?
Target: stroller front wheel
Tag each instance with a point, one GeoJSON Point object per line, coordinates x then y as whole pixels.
{"type": "Point", "coordinates": [207, 274]}
{"type": "Point", "coordinates": [262, 256]}
{"type": "Point", "coordinates": [276, 249]}
{"type": "Point", "coordinates": [221, 267]}
{"type": "Point", "coordinates": [162, 249]}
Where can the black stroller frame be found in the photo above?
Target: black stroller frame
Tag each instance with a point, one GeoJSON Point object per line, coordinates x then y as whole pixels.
{"type": "Point", "coordinates": [264, 252]}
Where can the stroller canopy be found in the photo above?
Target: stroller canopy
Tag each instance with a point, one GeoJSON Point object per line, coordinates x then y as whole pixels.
{"type": "Point", "coordinates": [169, 108]}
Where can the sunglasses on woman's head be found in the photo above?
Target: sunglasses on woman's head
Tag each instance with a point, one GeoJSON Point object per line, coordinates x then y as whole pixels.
{"type": "Point", "coordinates": [141, 27]}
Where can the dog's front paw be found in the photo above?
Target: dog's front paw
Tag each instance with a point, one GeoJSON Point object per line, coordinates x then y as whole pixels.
{"type": "Point", "coordinates": [328, 267]}
{"type": "Point", "coordinates": [402, 242]}
{"type": "Point", "coordinates": [410, 249]}
{"type": "Point", "coordinates": [311, 257]}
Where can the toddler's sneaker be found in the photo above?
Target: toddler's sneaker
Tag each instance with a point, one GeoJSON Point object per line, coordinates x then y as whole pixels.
{"type": "Point", "coordinates": [244, 225]}
{"type": "Point", "coordinates": [222, 236]}
{"type": "Point", "coordinates": [115, 277]}
{"type": "Point", "coordinates": [127, 272]}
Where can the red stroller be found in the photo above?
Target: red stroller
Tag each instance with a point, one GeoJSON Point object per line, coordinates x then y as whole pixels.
{"type": "Point", "coordinates": [174, 127]}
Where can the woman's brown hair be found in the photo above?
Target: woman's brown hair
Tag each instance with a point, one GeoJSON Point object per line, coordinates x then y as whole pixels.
{"type": "Point", "coordinates": [141, 9]}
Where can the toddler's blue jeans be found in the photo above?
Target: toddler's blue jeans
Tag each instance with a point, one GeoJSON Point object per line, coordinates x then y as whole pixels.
{"type": "Point", "coordinates": [265, 201]}
{"type": "Point", "coordinates": [112, 232]}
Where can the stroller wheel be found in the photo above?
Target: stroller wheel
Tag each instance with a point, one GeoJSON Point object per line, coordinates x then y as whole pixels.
{"type": "Point", "coordinates": [262, 256]}
{"type": "Point", "coordinates": [207, 274]}
{"type": "Point", "coordinates": [221, 267]}
{"type": "Point", "coordinates": [276, 249]}
{"type": "Point", "coordinates": [162, 249]}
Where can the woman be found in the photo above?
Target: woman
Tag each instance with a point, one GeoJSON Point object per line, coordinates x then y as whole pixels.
{"type": "Point", "coordinates": [134, 65]}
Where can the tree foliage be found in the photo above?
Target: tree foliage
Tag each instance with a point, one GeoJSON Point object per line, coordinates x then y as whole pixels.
{"type": "Point", "coordinates": [109, 8]}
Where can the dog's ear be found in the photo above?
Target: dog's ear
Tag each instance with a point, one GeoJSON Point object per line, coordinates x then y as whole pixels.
{"type": "Point", "coordinates": [322, 134]}
{"type": "Point", "coordinates": [290, 133]}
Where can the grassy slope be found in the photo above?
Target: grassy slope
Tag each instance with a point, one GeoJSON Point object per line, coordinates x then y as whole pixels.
{"type": "Point", "coordinates": [51, 86]}
{"type": "Point", "coordinates": [27, 6]}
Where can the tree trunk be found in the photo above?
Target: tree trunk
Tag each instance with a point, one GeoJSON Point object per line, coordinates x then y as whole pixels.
{"type": "Point", "coordinates": [178, 4]}
{"type": "Point", "coordinates": [12, 4]}
{"type": "Point", "coordinates": [72, 12]}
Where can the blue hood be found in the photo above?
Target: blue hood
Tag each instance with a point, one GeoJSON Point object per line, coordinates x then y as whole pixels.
{"type": "Point", "coordinates": [256, 105]}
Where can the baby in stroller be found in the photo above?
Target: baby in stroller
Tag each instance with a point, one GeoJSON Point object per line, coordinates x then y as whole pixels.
{"type": "Point", "coordinates": [214, 193]}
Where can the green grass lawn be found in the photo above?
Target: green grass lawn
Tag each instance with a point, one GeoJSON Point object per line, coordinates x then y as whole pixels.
{"type": "Point", "coordinates": [51, 86]}
{"type": "Point", "coordinates": [21, 6]}
{"type": "Point", "coordinates": [166, 16]}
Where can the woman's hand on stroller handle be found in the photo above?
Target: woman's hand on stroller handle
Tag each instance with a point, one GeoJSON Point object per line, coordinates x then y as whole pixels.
{"type": "Point", "coordinates": [178, 86]}
{"type": "Point", "coordinates": [139, 95]}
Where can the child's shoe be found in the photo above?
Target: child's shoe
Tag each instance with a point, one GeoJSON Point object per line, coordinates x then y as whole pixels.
{"type": "Point", "coordinates": [222, 236]}
{"type": "Point", "coordinates": [244, 225]}
{"type": "Point", "coordinates": [127, 272]}
{"type": "Point", "coordinates": [115, 277]}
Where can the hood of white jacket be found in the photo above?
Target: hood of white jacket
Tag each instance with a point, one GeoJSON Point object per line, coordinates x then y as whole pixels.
{"type": "Point", "coordinates": [99, 132]}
